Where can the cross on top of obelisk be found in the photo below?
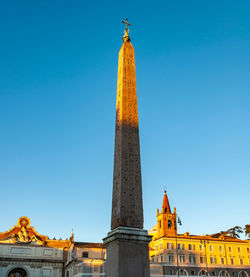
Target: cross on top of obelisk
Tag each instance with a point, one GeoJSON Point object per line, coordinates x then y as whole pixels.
{"type": "Point", "coordinates": [126, 22]}
{"type": "Point", "coordinates": [126, 36]}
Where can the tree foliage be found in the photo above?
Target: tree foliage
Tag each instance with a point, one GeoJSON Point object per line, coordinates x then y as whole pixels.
{"type": "Point", "coordinates": [247, 230]}
{"type": "Point", "coordinates": [234, 232]}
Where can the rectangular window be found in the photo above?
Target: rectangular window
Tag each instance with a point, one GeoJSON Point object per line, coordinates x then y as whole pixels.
{"type": "Point", "coordinates": [153, 259]}
{"type": "Point", "coordinates": [239, 249]}
{"type": "Point", "coordinates": [85, 254]}
{"type": "Point", "coordinates": [215, 260]}
{"type": "Point", "coordinates": [229, 249]}
{"type": "Point", "coordinates": [181, 246]}
{"type": "Point", "coordinates": [220, 248]}
{"type": "Point", "coordinates": [248, 250]}
{"type": "Point", "coordinates": [201, 247]}
{"type": "Point", "coordinates": [211, 260]}
{"type": "Point", "coordinates": [241, 261]}
{"type": "Point", "coordinates": [191, 247]}
{"type": "Point", "coordinates": [170, 246]}
{"type": "Point", "coordinates": [202, 260]}
{"type": "Point", "coordinates": [232, 260]}
{"type": "Point", "coordinates": [211, 248]}
{"type": "Point", "coordinates": [161, 258]}
{"type": "Point", "coordinates": [222, 260]}
{"type": "Point", "coordinates": [161, 246]}
{"type": "Point", "coordinates": [182, 259]}
{"type": "Point", "coordinates": [170, 258]}
{"type": "Point", "coordinates": [96, 268]}
{"type": "Point", "coordinates": [157, 259]}
{"type": "Point", "coordinates": [156, 248]}
{"type": "Point", "coordinates": [191, 259]}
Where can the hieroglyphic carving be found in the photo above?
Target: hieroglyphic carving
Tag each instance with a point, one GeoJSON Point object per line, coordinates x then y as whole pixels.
{"type": "Point", "coordinates": [127, 207]}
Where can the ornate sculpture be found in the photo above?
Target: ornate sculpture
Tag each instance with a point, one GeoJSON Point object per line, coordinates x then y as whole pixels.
{"type": "Point", "coordinates": [23, 235]}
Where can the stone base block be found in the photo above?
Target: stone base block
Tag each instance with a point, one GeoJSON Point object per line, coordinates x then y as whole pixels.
{"type": "Point", "coordinates": [127, 252]}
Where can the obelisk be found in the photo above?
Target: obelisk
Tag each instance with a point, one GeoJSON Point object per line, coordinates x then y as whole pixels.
{"type": "Point", "coordinates": [127, 242]}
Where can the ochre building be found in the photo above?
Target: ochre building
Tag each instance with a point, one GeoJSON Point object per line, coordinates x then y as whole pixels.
{"type": "Point", "coordinates": [193, 255]}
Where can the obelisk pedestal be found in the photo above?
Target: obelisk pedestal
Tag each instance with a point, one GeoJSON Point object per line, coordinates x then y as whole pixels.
{"type": "Point", "coordinates": [127, 242]}
{"type": "Point", "coordinates": [127, 252]}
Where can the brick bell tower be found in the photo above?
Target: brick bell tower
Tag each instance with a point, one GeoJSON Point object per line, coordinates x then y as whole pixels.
{"type": "Point", "coordinates": [127, 242]}
{"type": "Point", "coordinates": [166, 221]}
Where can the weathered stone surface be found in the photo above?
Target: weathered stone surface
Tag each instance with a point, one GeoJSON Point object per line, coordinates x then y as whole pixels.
{"type": "Point", "coordinates": [127, 252]}
{"type": "Point", "coordinates": [127, 243]}
{"type": "Point", "coordinates": [127, 208]}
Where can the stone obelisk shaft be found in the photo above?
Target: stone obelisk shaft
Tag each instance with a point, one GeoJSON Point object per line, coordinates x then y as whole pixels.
{"type": "Point", "coordinates": [127, 209]}
{"type": "Point", "coordinates": [127, 242]}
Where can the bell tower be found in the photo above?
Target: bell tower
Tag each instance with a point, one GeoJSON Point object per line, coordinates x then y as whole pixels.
{"type": "Point", "coordinates": [166, 221]}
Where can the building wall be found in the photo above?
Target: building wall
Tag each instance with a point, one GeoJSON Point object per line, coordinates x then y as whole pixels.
{"type": "Point", "coordinates": [37, 261]}
{"type": "Point", "coordinates": [33, 269]}
{"type": "Point", "coordinates": [201, 253]}
{"type": "Point", "coordinates": [29, 251]}
{"type": "Point", "coordinates": [85, 261]}
{"type": "Point", "coordinates": [212, 250]}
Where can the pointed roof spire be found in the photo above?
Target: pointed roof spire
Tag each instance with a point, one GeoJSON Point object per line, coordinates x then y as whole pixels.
{"type": "Point", "coordinates": [165, 204]}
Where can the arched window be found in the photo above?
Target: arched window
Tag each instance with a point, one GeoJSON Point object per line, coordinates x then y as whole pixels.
{"type": "Point", "coordinates": [17, 272]}
{"type": "Point", "coordinates": [203, 273]}
{"type": "Point", "coordinates": [182, 272]}
{"type": "Point", "coordinates": [242, 273]}
{"type": "Point", "coordinates": [223, 273]}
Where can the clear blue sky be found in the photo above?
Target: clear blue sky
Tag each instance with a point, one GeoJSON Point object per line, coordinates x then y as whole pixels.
{"type": "Point", "coordinates": [58, 73]}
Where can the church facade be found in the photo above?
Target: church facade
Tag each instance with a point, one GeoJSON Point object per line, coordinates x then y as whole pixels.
{"type": "Point", "coordinates": [26, 253]}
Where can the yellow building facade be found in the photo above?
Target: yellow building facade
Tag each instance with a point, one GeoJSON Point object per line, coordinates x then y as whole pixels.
{"type": "Point", "coordinates": [185, 254]}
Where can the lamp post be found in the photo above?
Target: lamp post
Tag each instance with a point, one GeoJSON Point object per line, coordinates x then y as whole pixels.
{"type": "Point", "coordinates": [177, 253]}
{"type": "Point", "coordinates": [225, 249]}
{"type": "Point", "coordinates": [205, 242]}
{"type": "Point", "coordinates": [177, 262]}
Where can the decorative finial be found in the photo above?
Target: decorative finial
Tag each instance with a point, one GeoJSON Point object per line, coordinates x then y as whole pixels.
{"type": "Point", "coordinates": [126, 36]}
{"type": "Point", "coordinates": [165, 191]}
